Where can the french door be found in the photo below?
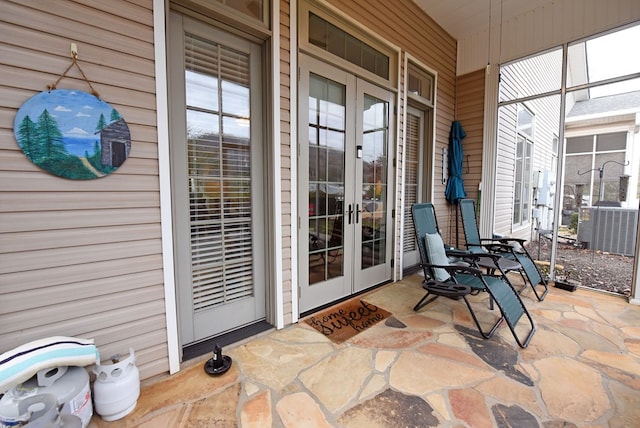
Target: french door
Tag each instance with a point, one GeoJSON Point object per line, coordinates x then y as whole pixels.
{"type": "Point", "coordinates": [217, 175]}
{"type": "Point", "coordinates": [345, 196]}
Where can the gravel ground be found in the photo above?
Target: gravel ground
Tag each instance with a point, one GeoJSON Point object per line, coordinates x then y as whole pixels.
{"type": "Point", "coordinates": [602, 271]}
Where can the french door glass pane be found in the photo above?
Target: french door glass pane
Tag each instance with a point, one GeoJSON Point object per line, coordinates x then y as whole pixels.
{"type": "Point", "coordinates": [327, 128]}
{"type": "Point", "coordinates": [219, 173]}
{"type": "Point", "coordinates": [374, 181]}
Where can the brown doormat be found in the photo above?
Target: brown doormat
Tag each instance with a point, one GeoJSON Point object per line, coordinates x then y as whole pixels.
{"type": "Point", "coordinates": [345, 320]}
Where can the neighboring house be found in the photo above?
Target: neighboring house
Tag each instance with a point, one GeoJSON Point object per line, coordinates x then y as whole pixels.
{"type": "Point", "coordinates": [253, 126]}
{"type": "Point", "coordinates": [599, 130]}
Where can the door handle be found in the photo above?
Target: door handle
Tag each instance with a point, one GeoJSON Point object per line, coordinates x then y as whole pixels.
{"type": "Point", "coordinates": [350, 213]}
{"type": "Point", "coordinates": [357, 213]}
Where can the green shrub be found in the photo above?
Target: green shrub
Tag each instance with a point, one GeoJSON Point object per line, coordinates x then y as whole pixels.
{"type": "Point", "coordinates": [573, 223]}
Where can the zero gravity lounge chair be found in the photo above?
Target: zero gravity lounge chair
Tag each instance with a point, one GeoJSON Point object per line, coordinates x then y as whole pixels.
{"type": "Point", "coordinates": [510, 248]}
{"type": "Point", "coordinates": [459, 281]}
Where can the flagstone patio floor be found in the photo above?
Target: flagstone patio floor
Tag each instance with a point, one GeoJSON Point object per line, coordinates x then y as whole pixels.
{"type": "Point", "coordinates": [419, 369]}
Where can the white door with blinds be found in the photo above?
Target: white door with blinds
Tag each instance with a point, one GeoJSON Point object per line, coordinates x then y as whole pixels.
{"type": "Point", "coordinates": [217, 177]}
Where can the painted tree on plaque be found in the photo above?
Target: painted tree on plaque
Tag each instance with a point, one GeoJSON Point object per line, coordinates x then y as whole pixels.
{"type": "Point", "coordinates": [50, 137]}
{"type": "Point", "coordinates": [102, 122]}
{"type": "Point", "coordinates": [115, 115]}
{"type": "Point", "coordinates": [27, 138]}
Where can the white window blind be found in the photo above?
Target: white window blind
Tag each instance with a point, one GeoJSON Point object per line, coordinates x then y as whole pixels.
{"type": "Point", "coordinates": [412, 151]}
{"type": "Point", "coordinates": [219, 174]}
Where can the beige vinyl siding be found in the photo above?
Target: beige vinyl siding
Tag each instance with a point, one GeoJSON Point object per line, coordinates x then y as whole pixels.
{"type": "Point", "coordinates": [406, 26]}
{"type": "Point", "coordinates": [82, 257]}
{"type": "Point", "coordinates": [285, 160]}
{"type": "Point", "coordinates": [470, 113]}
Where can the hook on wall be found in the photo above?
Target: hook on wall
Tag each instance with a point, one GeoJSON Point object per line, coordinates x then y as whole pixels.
{"type": "Point", "coordinates": [468, 164]}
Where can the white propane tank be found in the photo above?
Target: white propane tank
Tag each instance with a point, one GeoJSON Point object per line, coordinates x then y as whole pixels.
{"type": "Point", "coordinates": [42, 411]}
{"type": "Point", "coordinates": [117, 387]}
{"type": "Point", "coordinates": [70, 386]}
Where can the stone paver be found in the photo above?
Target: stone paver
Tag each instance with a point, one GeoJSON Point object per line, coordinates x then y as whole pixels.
{"type": "Point", "coordinates": [275, 363]}
{"type": "Point", "coordinates": [349, 368]}
{"type": "Point", "coordinates": [508, 391]}
{"type": "Point", "coordinates": [257, 411]}
{"type": "Point", "coordinates": [572, 390]}
{"type": "Point", "coordinates": [468, 405]}
{"type": "Point", "coordinates": [299, 410]}
{"type": "Point", "coordinates": [215, 411]}
{"type": "Point", "coordinates": [390, 409]}
{"type": "Point", "coordinates": [513, 416]}
{"type": "Point", "coordinates": [416, 373]}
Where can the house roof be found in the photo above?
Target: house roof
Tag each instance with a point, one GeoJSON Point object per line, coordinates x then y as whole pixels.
{"type": "Point", "coordinates": [611, 103]}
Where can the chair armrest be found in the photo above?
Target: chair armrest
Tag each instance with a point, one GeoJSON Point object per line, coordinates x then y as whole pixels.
{"type": "Point", "coordinates": [507, 240]}
{"type": "Point", "coordinates": [499, 248]}
{"type": "Point", "coordinates": [493, 246]}
{"type": "Point", "coordinates": [454, 269]}
{"type": "Point", "coordinates": [456, 252]}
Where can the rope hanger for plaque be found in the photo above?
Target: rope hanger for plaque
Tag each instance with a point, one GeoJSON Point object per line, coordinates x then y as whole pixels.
{"type": "Point", "coordinates": [74, 61]}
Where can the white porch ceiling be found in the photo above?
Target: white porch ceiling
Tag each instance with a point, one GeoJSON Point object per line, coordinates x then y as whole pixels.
{"type": "Point", "coordinates": [463, 18]}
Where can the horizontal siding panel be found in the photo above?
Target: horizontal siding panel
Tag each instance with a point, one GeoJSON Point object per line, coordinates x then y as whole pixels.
{"type": "Point", "coordinates": [139, 341]}
{"type": "Point", "coordinates": [49, 239]}
{"type": "Point", "coordinates": [95, 318]}
{"type": "Point", "coordinates": [35, 221]}
{"type": "Point", "coordinates": [59, 46]}
{"type": "Point", "coordinates": [93, 288]}
{"type": "Point", "coordinates": [39, 181]}
{"type": "Point", "coordinates": [148, 362]}
{"type": "Point", "coordinates": [61, 275]}
{"type": "Point", "coordinates": [116, 334]}
{"type": "Point", "coordinates": [133, 40]}
{"type": "Point", "coordinates": [145, 150]}
{"type": "Point", "coordinates": [139, 166]}
{"type": "Point", "coordinates": [73, 310]}
{"type": "Point", "coordinates": [64, 201]}
{"type": "Point", "coordinates": [96, 73]}
{"type": "Point", "coordinates": [42, 259]}
{"type": "Point", "coordinates": [141, 13]}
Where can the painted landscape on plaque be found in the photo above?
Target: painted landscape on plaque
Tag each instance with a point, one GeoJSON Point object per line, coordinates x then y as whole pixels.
{"type": "Point", "coordinates": [72, 134]}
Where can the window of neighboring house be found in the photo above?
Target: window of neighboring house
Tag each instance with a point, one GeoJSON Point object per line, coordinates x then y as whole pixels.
{"type": "Point", "coordinates": [522, 179]}
{"type": "Point", "coordinates": [585, 155]}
